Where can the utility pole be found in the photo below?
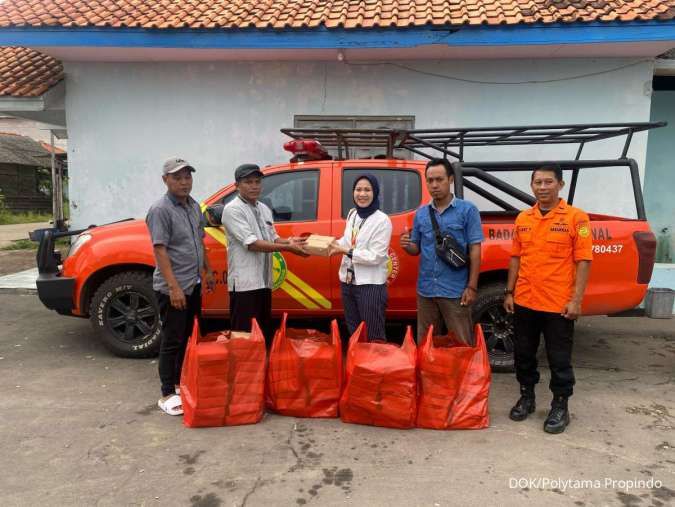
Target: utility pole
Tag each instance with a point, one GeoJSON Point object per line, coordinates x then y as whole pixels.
{"type": "Point", "coordinates": [57, 188]}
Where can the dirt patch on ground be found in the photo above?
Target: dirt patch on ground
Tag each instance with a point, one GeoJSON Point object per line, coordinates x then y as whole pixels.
{"type": "Point", "coordinates": [13, 261]}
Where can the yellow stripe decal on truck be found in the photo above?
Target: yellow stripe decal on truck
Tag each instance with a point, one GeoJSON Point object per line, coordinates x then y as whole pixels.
{"type": "Point", "coordinates": [298, 296]}
{"type": "Point", "coordinates": [307, 289]}
{"type": "Point", "coordinates": [218, 234]}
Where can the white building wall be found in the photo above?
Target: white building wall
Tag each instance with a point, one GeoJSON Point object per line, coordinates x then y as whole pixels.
{"type": "Point", "coordinates": [124, 119]}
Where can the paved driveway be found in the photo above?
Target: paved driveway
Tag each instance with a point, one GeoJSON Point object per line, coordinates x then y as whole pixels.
{"type": "Point", "coordinates": [80, 427]}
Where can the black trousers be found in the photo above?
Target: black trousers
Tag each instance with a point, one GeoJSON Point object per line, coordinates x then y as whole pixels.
{"type": "Point", "coordinates": [365, 303]}
{"type": "Point", "coordinates": [250, 304]}
{"type": "Point", "coordinates": [176, 329]}
{"type": "Point", "coordinates": [558, 336]}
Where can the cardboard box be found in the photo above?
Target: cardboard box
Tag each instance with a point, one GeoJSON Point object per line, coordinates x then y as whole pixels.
{"type": "Point", "coordinates": [233, 334]}
{"type": "Point", "coordinates": [318, 245]}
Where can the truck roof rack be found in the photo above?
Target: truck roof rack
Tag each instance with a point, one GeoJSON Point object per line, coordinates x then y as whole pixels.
{"type": "Point", "coordinates": [443, 140]}
{"type": "Point", "coordinates": [451, 142]}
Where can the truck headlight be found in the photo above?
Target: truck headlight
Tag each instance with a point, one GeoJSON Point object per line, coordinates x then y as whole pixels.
{"type": "Point", "coordinates": [81, 240]}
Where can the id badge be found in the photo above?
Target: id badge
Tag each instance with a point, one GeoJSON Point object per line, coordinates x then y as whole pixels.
{"type": "Point", "coordinates": [350, 276]}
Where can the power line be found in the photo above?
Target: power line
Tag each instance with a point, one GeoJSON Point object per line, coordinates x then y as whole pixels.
{"type": "Point", "coordinates": [506, 83]}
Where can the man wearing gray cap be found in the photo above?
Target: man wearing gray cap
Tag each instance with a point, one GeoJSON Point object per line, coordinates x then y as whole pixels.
{"type": "Point", "coordinates": [251, 239]}
{"type": "Point", "coordinates": [177, 230]}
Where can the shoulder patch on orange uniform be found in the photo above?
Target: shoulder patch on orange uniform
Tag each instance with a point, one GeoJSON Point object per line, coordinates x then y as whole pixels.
{"type": "Point", "coordinates": [583, 230]}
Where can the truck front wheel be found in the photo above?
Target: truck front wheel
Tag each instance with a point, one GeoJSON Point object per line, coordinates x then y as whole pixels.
{"type": "Point", "coordinates": [497, 326]}
{"type": "Point", "coordinates": [125, 314]}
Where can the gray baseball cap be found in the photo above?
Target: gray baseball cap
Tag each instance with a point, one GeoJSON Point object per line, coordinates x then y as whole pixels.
{"type": "Point", "coordinates": [175, 164]}
{"type": "Point", "coordinates": [245, 170]}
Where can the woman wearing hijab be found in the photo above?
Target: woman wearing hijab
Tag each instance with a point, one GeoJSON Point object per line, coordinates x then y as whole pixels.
{"type": "Point", "coordinates": [363, 272]}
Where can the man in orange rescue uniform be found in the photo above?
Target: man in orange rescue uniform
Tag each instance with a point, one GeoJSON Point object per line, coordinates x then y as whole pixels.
{"type": "Point", "coordinates": [551, 257]}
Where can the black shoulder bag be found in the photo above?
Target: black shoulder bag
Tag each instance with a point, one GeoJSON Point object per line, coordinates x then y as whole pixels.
{"type": "Point", "coordinates": [447, 247]}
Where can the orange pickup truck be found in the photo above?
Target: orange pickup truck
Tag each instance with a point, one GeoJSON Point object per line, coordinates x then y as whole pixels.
{"type": "Point", "coordinates": [106, 275]}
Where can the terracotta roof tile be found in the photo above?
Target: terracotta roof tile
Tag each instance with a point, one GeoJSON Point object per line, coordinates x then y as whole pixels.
{"type": "Point", "coordinates": [27, 73]}
{"type": "Point", "coordinates": [172, 14]}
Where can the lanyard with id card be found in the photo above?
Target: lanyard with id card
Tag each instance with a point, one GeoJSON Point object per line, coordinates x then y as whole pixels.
{"type": "Point", "coordinates": [351, 277]}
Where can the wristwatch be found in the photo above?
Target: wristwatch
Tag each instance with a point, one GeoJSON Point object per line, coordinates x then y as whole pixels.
{"type": "Point", "coordinates": [350, 253]}
{"type": "Point", "coordinates": [508, 291]}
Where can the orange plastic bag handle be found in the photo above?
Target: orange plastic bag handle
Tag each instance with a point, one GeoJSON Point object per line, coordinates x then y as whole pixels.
{"type": "Point", "coordinates": [337, 345]}
{"type": "Point", "coordinates": [360, 332]}
{"type": "Point", "coordinates": [256, 332]}
{"type": "Point", "coordinates": [408, 346]}
{"type": "Point", "coordinates": [282, 327]}
{"type": "Point", "coordinates": [280, 334]}
{"type": "Point", "coordinates": [194, 338]}
{"type": "Point", "coordinates": [196, 335]}
{"type": "Point", "coordinates": [427, 342]}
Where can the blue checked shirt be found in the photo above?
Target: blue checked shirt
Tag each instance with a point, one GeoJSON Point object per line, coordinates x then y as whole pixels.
{"type": "Point", "coordinates": [461, 219]}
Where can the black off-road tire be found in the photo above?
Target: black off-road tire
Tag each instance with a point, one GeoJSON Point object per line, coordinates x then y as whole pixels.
{"type": "Point", "coordinates": [497, 326]}
{"type": "Point", "coordinates": [125, 313]}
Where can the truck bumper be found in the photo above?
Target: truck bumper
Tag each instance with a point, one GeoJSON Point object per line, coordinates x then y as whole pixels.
{"type": "Point", "coordinates": [56, 292]}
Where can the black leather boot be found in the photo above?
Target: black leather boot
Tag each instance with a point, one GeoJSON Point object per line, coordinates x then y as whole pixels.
{"type": "Point", "coordinates": [524, 406]}
{"type": "Point", "coordinates": [559, 417]}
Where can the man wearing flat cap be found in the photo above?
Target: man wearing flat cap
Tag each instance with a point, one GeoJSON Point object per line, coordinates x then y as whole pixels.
{"type": "Point", "coordinates": [176, 227]}
{"type": "Point", "coordinates": [251, 240]}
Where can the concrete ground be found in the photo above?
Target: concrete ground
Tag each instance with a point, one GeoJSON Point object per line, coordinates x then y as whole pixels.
{"type": "Point", "coordinates": [23, 280]}
{"type": "Point", "coordinates": [81, 427]}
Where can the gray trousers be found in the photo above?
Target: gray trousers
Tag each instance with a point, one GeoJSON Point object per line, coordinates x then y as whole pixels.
{"type": "Point", "coordinates": [365, 303]}
{"type": "Point", "coordinates": [446, 315]}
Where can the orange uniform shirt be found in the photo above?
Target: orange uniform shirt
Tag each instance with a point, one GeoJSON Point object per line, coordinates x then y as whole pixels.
{"type": "Point", "coordinates": [549, 247]}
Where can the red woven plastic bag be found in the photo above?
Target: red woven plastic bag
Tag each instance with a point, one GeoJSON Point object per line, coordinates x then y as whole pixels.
{"type": "Point", "coordinates": [223, 378]}
{"type": "Point", "coordinates": [304, 377]}
{"type": "Point", "coordinates": [454, 382]}
{"type": "Point", "coordinates": [380, 383]}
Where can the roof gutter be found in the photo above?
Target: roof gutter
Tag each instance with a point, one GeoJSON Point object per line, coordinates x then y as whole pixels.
{"type": "Point", "coordinates": [324, 38]}
{"type": "Point", "coordinates": [48, 108]}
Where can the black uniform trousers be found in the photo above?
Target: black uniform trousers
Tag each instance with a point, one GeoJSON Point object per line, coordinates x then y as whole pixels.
{"type": "Point", "coordinates": [558, 334]}
{"type": "Point", "coordinates": [248, 305]}
{"type": "Point", "coordinates": [176, 329]}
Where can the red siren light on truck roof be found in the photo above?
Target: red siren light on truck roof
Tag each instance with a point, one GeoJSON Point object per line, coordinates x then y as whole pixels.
{"type": "Point", "coordinates": [306, 149]}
